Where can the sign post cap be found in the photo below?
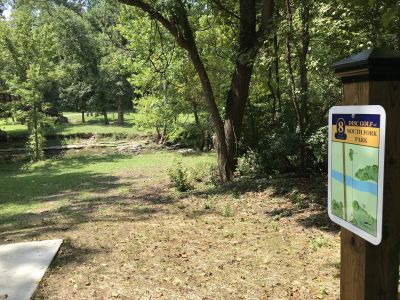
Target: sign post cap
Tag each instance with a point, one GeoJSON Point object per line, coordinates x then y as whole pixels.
{"type": "Point", "coordinates": [374, 64]}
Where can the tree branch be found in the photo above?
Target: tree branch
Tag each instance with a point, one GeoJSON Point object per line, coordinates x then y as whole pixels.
{"type": "Point", "coordinates": [156, 15]}
{"type": "Point", "coordinates": [218, 4]}
{"type": "Point", "coordinates": [267, 12]}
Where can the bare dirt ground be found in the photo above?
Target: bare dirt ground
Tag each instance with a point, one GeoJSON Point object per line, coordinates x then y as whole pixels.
{"type": "Point", "coordinates": [258, 240]}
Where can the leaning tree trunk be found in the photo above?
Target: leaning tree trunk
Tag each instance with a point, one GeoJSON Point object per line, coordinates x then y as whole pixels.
{"type": "Point", "coordinates": [227, 132]}
{"type": "Point", "coordinates": [224, 167]}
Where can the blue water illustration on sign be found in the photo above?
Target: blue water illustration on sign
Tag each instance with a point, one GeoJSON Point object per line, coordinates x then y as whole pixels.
{"type": "Point", "coordinates": [362, 186]}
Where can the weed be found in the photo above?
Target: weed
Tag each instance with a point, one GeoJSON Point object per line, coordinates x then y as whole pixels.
{"type": "Point", "coordinates": [235, 194]}
{"type": "Point", "coordinates": [207, 205]}
{"type": "Point", "coordinates": [124, 191]}
{"type": "Point", "coordinates": [84, 195]}
{"type": "Point", "coordinates": [324, 290]}
{"type": "Point", "coordinates": [318, 242]}
{"type": "Point", "coordinates": [199, 172]}
{"type": "Point", "coordinates": [227, 210]}
{"type": "Point", "coordinates": [214, 178]}
{"type": "Point", "coordinates": [229, 235]}
{"type": "Point", "coordinates": [179, 177]}
{"type": "Point", "coordinates": [274, 226]}
{"type": "Point", "coordinates": [298, 199]}
{"type": "Point", "coordinates": [282, 213]}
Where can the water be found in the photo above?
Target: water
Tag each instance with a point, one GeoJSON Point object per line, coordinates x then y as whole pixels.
{"type": "Point", "coordinates": [362, 186]}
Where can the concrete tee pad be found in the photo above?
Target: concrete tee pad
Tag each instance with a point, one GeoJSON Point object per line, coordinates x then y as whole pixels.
{"type": "Point", "coordinates": [23, 265]}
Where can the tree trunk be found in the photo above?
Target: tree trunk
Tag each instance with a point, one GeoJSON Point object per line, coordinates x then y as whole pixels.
{"type": "Point", "coordinates": [200, 139]}
{"type": "Point", "coordinates": [106, 121]}
{"type": "Point", "coordinates": [120, 120]}
{"type": "Point", "coordinates": [36, 132]}
{"type": "Point", "coordinates": [164, 134]}
{"type": "Point", "coordinates": [158, 133]}
{"type": "Point", "coordinates": [277, 78]}
{"type": "Point", "coordinates": [227, 132]}
{"type": "Point", "coordinates": [83, 116]}
{"type": "Point", "coordinates": [293, 94]}
{"type": "Point", "coordinates": [225, 169]}
{"type": "Point", "coordinates": [249, 44]}
{"type": "Point", "coordinates": [161, 135]}
{"type": "Point", "coordinates": [235, 107]}
{"type": "Point", "coordinates": [273, 92]}
{"type": "Point", "coordinates": [305, 41]}
{"type": "Point", "coordinates": [196, 114]}
{"type": "Point", "coordinates": [254, 131]}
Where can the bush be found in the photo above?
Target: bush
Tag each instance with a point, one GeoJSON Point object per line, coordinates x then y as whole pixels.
{"type": "Point", "coordinates": [214, 178]}
{"type": "Point", "coordinates": [191, 135]}
{"type": "Point", "coordinates": [318, 145]}
{"type": "Point", "coordinates": [205, 172]}
{"type": "Point", "coordinates": [249, 164]}
{"type": "Point", "coordinates": [199, 173]}
{"type": "Point", "coordinates": [179, 177]}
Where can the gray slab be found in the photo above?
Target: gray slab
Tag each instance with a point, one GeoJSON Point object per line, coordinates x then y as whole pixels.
{"type": "Point", "coordinates": [23, 265]}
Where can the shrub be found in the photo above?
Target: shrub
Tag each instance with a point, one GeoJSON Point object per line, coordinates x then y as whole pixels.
{"type": "Point", "coordinates": [199, 172]}
{"type": "Point", "coordinates": [318, 144]}
{"type": "Point", "coordinates": [214, 178]}
{"type": "Point", "coordinates": [227, 210]}
{"type": "Point", "coordinates": [179, 177]}
{"type": "Point", "coordinates": [192, 135]}
{"type": "Point", "coordinates": [249, 164]}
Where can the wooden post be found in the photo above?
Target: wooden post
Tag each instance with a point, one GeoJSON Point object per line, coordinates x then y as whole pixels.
{"type": "Point", "coordinates": [368, 271]}
{"type": "Point", "coordinates": [344, 182]}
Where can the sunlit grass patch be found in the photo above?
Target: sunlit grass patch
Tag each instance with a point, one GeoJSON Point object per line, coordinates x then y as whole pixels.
{"type": "Point", "coordinates": [25, 188]}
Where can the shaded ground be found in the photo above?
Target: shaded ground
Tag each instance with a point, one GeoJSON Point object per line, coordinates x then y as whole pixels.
{"type": "Point", "coordinates": [131, 236]}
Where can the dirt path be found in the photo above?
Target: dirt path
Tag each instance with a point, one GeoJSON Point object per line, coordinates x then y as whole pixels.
{"type": "Point", "coordinates": [149, 242]}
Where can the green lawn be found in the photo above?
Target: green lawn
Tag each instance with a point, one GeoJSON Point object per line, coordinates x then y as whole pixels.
{"type": "Point", "coordinates": [55, 181]}
{"type": "Point", "coordinates": [13, 129]}
{"type": "Point", "coordinates": [93, 124]}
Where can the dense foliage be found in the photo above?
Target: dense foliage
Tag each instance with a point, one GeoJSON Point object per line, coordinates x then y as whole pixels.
{"type": "Point", "coordinates": [101, 55]}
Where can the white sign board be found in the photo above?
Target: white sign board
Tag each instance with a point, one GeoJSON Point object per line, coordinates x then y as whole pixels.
{"type": "Point", "coordinates": [356, 169]}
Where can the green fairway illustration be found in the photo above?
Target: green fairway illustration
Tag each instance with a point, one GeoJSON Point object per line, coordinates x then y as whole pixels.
{"type": "Point", "coordinates": [355, 185]}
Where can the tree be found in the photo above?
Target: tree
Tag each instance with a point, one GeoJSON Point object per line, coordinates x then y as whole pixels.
{"type": "Point", "coordinates": [79, 66]}
{"type": "Point", "coordinates": [113, 87]}
{"type": "Point", "coordinates": [28, 43]}
{"type": "Point", "coordinates": [254, 24]}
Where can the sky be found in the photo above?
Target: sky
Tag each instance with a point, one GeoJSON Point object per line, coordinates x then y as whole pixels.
{"type": "Point", "coordinates": [7, 13]}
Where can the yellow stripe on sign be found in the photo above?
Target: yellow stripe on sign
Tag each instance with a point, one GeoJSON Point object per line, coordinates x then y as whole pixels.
{"type": "Point", "coordinates": [364, 136]}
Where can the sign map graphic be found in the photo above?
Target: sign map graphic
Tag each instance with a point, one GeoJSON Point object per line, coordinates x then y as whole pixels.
{"type": "Point", "coordinates": [356, 161]}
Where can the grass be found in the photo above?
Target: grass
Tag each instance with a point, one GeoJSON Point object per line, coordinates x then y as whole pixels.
{"type": "Point", "coordinates": [119, 214]}
{"type": "Point", "coordinates": [28, 188]}
{"type": "Point", "coordinates": [13, 129]}
{"type": "Point", "coordinates": [93, 124]}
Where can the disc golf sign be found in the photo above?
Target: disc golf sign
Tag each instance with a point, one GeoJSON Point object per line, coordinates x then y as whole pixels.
{"type": "Point", "coordinates": [356, 165]}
